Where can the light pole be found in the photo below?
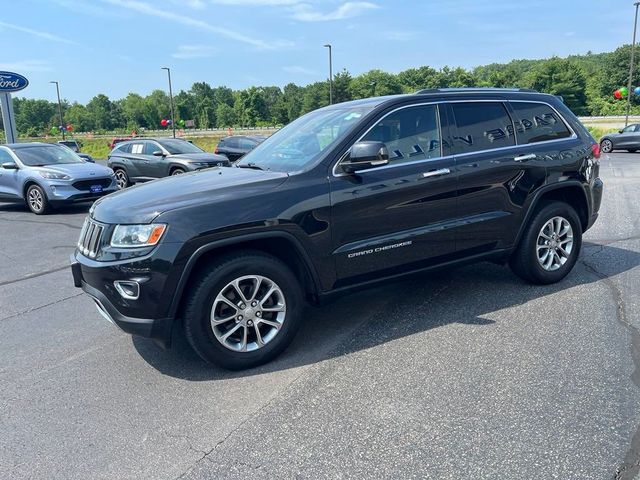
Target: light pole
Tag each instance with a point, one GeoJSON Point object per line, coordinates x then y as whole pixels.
{"type": "Point", "coordinates": [328, 45]}
{"type": "Point", "coordinates": [633, 51]}
{"type": "Point", "coordinates": [173, 121]}
{"type": "Point", "coordinates": [59, 107]}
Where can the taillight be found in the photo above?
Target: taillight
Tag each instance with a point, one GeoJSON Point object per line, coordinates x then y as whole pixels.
{"type": "Point", "coordinates": [595, 148]}
{"type": "Point", "coordinates": [216, 150]}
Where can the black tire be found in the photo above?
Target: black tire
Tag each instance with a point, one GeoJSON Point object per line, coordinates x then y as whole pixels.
{"type": "Point", "coordinates": [37, 200]}
{"type": "Point", "coordinates": [214, 281]}
{"type": "Point", "coordinates": [177, 171]}
{"type": "Point", "coordinates": [122, 179]}
{"type": "Point", "coordinates": [524, 261]}
{"type": "Point", "coordinates": [606, 145]}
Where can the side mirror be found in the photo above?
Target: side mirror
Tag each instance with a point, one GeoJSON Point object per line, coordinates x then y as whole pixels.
{"type": "Point", "coordinates": [10, 166]}
{"type": "Point", "coordinates": [365, 155]}
{"type": "Point", "coordinates": [620, 131]}
{"type": "Point", "coordinates": [158, 153]}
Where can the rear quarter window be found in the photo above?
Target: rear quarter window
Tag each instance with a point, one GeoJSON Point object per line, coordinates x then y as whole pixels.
{"type": "Point", "coordinates": [538, 122]}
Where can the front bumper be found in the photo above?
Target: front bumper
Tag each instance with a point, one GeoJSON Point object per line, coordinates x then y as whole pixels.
{"type": "Point", "coordinates": [63, 192]}
{"type": "Point", "coordinates": [157, 329]}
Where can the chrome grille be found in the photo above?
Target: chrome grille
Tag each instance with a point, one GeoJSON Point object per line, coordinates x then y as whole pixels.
{"type": "Point", "coordinates": [90, 236]}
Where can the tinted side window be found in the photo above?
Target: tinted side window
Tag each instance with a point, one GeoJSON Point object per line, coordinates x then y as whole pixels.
{"type": "Point", "coordinates": [122, 148]}
{"type": "Point", "coordinates": [231, 143]}
{"type": "Point", "coordinates": [538, 122]}
{"type": "Point", "coordinates": [630, 128]}
{"type": "Point", "coordinates": [5, 157]}
{"type": "Point", "coordinates": [482, 126]}
{"type": "Point", "coordinates": [137, 148]}
{"type": "Point", "coordinates": [247, 144]}
{"type": "Point", "coordinates": [150, 147]}
{"type": "Point", "coordinates": [411, 133]}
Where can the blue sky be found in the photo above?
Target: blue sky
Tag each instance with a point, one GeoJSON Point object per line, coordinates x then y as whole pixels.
{"type": "Point", "coordinates": [118, 46]}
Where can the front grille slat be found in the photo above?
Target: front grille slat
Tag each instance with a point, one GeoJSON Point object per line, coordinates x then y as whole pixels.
{"type": "Point", "coordinates": [90, 238]}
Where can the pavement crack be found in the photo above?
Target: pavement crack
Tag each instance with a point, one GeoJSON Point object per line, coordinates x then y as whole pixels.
{"type": "Point", "coordinates": [20, 220]}
{"type": "Point", "coordinates": [34, 275]}
{"type": "Point", "coordinates": [35, 309]}
{"type": "Point", "coordinates": [630, 467]}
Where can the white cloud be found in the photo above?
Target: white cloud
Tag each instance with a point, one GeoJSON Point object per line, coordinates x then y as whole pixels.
{"type": "Point", "coordinates": [36, 33]}
{"type": "Point", "coordinates": [186, 52]}
{"type": "Point", "coordinates": [148, 9]}
{"type": "Point", "coordinates": [25, 66]}
{"type": "Point", "coordinates": [400, 35]}
{"type": "Point", "coordinates": [297, 70]}
{"type": "Point", "coordinates": [306, 13]}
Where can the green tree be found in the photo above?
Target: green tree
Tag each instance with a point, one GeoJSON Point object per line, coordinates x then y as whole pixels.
{"type": "Point", "coordinates": [133, 110]}
{"type": "Point", "coordinates": [342, 86]}
{"type": "Point", "coordinates": [34, 114]}
{"type": "Point", "coordinates": [561, 77]}
{"type": "Point", "coordinates": [156, 107]}
{"type": "Point", "coordinates": [374, 83]}
{"type": "Point", "coordinates": [225, 116]}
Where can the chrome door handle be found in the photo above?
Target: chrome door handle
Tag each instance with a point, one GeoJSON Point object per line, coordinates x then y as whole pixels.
{"type": "Point", "coordinates": [436, 173]}
{"type": "Point", "coordinates": [524, 158]}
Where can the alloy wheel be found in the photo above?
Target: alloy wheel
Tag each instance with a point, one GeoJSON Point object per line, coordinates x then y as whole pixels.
{"type": "Point", "coordinates": [248, 313]}
{"type": "Point", "coordinates": [606, 146]}
{"type": "Point", "coordinates": [36, 201]}
{"type": "Point", "coordinates": [121, 179]}
{"type": "Point", "coordinates": [554, 244]}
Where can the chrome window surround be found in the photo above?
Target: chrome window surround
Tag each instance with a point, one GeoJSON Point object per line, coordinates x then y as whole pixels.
{"type": "Point", "coordinates": [444, 102]}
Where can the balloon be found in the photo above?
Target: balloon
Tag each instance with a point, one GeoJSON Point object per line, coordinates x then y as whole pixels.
{"type": "Point", "coordinates": [624, 91]}
{"type": "Point", "coordinates": [69, 128]}
{"type": "Point", "coordinates": [637, 91]}
{"type": "Point", "coordinates": [168, 122]}
{"type": "Point", "coordinates": [181, 122]}
{"type": "Point", "coordinates": [164, 122]}
{"type": "Point", "coordinates": [617, 94]}
{"type": "Point", "coordinates": [61, 128]}
{"type": "Point", "coordinates": [53, 130]}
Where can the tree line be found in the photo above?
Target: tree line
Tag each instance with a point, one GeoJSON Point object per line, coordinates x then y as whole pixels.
{"type": "Point", "coordinates": [586, 82]}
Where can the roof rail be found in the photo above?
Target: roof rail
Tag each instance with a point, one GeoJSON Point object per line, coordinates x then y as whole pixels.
{"type": "Point", "coordinates": [474, 89]}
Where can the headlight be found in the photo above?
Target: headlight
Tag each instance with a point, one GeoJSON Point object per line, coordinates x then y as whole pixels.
{"type": "Point", "coordinates": [54, 175]}
{"type": "Point", "coordinates": [131, 236]}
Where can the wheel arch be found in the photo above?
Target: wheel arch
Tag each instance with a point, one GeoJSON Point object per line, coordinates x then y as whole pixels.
{"type": "Point", "coordinates": [571, 193]}
{"type": "Point", "coordinates": [281, 245]}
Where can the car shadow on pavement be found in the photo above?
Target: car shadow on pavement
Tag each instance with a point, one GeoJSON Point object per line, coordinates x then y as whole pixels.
{"type": "Point", "coordinates": [65, 209]}
{"type": "Point", "coordinates": [376, 316]}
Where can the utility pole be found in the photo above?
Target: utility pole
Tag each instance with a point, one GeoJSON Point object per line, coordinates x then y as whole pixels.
{"type": "Point", "coordinates": [59, 108]}
{"type": "Point", "coordinates": [328, 45]}
{"type": "Point", "coordinates": [633, 51]}
{"type": "Point", "coordinates": [173, 120]}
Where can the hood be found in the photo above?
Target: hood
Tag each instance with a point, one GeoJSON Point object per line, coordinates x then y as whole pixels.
{"type": "Point", "coordinates": [202, 157]}
{"type": "Point", "coordinates": [142, 203]}
{"type": "Point", "coordinates": [78, 170]}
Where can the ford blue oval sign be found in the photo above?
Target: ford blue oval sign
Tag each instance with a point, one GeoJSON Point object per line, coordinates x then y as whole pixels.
{"type": "Point", "coordinates": [12, 82]}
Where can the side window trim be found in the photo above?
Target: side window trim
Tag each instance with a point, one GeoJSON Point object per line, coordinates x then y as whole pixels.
{"type": "Point", "coordinates": [437, 104]}
{"type": "Point", "coordinates": [560, 116]}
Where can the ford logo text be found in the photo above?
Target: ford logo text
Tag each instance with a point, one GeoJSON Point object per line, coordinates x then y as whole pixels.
{"type": "Point", "coordinates": [12, 82]}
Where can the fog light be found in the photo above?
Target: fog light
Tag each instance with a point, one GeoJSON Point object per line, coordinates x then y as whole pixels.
{"type": "Point", "coordinates": [127, 289]}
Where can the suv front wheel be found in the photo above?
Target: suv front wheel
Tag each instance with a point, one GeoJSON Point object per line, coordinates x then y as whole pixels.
{"type": "Point", "coordinates": [550, 245]}
{"type": "Point", "coordinates": [122, 179]}
{"type": "Point", "coordinates": [243, 311]}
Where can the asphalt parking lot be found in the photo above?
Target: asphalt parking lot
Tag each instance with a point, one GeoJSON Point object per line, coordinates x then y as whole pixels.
{"type": "Point", "coordinates": [469, 373]}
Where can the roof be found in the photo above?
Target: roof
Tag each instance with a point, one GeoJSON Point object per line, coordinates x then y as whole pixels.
{"type": "Point", "coordinates": [18, 146]}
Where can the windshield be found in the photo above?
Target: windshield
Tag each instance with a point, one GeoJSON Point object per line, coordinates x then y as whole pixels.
{"type": "Point", "coordinates": [301, 142]}
{"type": "Point", "coordinates": [39, 156]}
{"type": "Point", "coordinates": [176, 147]}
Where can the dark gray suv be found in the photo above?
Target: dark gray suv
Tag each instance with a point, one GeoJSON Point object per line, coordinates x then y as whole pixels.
{"type": "Point", "coordinates": [145, 159]}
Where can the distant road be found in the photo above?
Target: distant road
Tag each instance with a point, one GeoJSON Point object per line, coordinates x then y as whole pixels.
{"type": "Point", "coordinates": [614, 121]}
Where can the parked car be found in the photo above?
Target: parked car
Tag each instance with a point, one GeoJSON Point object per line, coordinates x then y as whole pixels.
{"type": "Point", "coordinates": [116, 140]}
{"type": "Point", "coordinates": [345, 196]}
{"type": "Point", "coordinates": [86, 157]}
{"type": "Point", "coordinates": [627, 138]}
{"type": "Point", "coordinates": [72, 144]}
{"type": "Point", "coordinates": [45, 176]}
{"type": "Point", "coordinates": [237, 146]}
{"type": "Point", "coordinates": [146, 159]}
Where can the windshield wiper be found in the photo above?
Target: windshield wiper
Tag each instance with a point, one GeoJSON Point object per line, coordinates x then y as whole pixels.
{"type": "Point", "coordinates": [250, 165]}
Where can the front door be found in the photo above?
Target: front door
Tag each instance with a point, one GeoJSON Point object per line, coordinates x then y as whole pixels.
{"type": "Point", "coordinates": [396, 217]}
{"type": "Point", "coordinates": [629, 138]}
{"type": "Point", "coordinates": [9, 188]}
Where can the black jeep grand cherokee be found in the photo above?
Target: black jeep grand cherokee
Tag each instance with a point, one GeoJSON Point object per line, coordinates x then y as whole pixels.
{"type": "Point", "coordinates": [344, 196]}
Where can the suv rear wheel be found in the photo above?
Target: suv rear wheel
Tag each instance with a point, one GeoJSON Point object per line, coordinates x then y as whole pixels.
{"type": "Point", "coordinates": [606, 145]}
{"type": "Point", "coordinates": [550, 245]}
{"type": "Point", "coordinates": [243, 311]}
{"type": "Point", "coordinates": [122, 179]}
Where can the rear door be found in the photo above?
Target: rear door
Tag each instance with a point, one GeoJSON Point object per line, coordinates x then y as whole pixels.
{"type": "Point", "coordinates": [9, 179]}
{"type": "Point", "coordinates": [232, 148]}
{"type": "Point", "coordinates": [155, 166]}
{"type": "Point", "coordinates": [396, 217]}
{"type": "Point", "coordinates": [136, 161]}
{"type": "Point", "coordinates": [629, 138]}
{"type": "Point", "coordinates": [495, 175]}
